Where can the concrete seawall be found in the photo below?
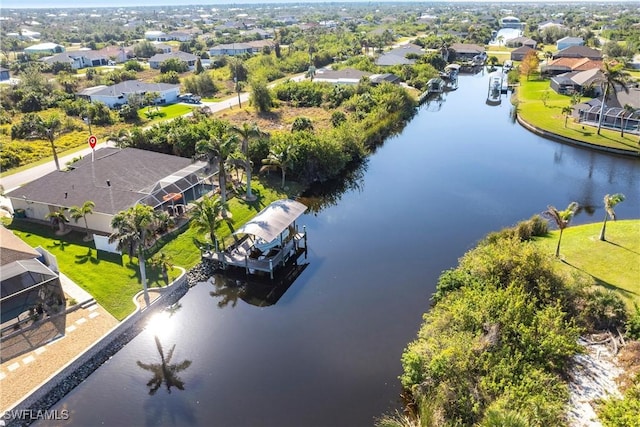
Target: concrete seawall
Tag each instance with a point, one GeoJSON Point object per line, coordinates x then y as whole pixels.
{"type": "Point", "coordinates": [549, 135]}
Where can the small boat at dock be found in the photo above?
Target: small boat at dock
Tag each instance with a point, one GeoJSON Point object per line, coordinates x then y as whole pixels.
{"type": "Point", "coordinates": [494, 93]}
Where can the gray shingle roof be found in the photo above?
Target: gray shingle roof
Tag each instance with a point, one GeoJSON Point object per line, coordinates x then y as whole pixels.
{"type": "Point", "coordinates": [183, 56]}
{"type": "Point", "coordinates": [130, 171]}
{"type": "Point", "coordinates": [128, 86]}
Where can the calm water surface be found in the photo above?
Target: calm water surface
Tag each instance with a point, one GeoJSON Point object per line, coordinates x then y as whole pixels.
{"type": "Point", "coordinates": [327, 353]}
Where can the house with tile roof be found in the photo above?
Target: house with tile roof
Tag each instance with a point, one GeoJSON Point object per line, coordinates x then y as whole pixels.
{"type": "Point", "coordinates": [565, 65]}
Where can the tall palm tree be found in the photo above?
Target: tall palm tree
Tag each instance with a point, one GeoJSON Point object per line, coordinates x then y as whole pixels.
{"type": "Point", "coordinates": [610, 202]}
{"type": "Point", "coordinates": [33, 125]}
{"type": "Point", "coordinates": [562, 219]}
{"type": "Point", "coordinates": [613, 76]}
{"type": "Point", "coordinates": [219, 147]}
{"type": "Point", "coordinates": [82, 212]}
{"type": "Point", "coordinates": [281, 156]}
{"type": "Point", "coordinates": [247, 132]}
{"type": "Point", "coordinates": [205, 214]}
{"type": "Point", "coordinates": [134, 229]}
{"type": "Point", "coordinates": [164, 372]}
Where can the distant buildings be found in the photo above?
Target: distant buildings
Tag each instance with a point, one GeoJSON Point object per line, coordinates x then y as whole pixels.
{"type": "Point", "coordinates": [48, 48]}
{"type": "Point", "coordinates": [190, 59]}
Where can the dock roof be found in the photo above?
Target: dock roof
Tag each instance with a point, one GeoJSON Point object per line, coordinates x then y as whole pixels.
{"type": "Point", "coordinates": [273, 220]}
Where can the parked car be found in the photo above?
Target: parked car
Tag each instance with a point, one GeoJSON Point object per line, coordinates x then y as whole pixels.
{"type": "Point", "coordinates": [190, 98]}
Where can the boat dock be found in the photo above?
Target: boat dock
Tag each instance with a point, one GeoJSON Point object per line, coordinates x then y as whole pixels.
{"type": "Point", "coordinates": [269, 241]}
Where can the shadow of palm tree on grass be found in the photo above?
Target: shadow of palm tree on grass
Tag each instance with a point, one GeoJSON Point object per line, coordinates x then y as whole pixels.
{"type": "Point", "coordinates": [604, 283]}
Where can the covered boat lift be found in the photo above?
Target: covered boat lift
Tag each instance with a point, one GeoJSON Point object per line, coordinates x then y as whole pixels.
{"type": "Point", "coordinates": [269, 240]}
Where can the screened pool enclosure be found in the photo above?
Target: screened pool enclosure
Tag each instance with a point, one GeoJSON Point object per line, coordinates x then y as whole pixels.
{"type": "Point", "coordinates": [174, 192]}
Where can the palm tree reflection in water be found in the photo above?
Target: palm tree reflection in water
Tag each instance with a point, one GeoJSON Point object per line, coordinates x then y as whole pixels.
{"type": "Point", "coordinates": [164, 372]}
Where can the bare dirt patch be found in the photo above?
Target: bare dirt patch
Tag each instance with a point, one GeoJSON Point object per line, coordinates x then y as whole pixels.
{"type": "Point", "coordinates": [278, 120]}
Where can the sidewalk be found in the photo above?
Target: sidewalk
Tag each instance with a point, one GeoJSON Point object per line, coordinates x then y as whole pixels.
{"type": "Point", "coordinates": [72, 290]}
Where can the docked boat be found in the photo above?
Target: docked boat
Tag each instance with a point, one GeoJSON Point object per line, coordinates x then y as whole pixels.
{"type": "Point", "coordinates": [495, 89]}
{"type": "Point", "coordinates": [435, 85]}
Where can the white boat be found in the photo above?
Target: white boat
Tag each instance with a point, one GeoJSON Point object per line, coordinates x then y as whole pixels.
{"type": "Point", "coordinates": [495, 89]}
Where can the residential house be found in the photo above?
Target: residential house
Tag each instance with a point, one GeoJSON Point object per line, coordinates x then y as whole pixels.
{"type": "Point", "coordinates": [511, 22]}
{"type": "Point", "coordinates": [377, 79]}
{"type": "Point", "coordinates": [398, 55]}
{"type": "Point", "coordinates": [25, 34]}
{"type": "Point", "coordinates": [578, 81]}
{"type": "Point", "coordinates": [27, 285]}
{"type": "Point", "coordinates": [232, 49]}
{"type": "Point", "coordinates": [180, 36]}
{"type": "Point", "coordinates": [117, 95]}
{"type": "Point", "coordinates": [115, 180]}
{"type": "Point", "coordinates": [162, 47]}
{"type": "Point", "coordinates": [550, 24]}
{"type": "Point", "coordinates": [190, 59]}
{"type": "Point", "coordinates": [117, 54]}
{"type": "Point", "coordinates": [466, 51]}
{"type": "Point", "coordinates": [48, 48]}
{"type": "Point", "coordinates": [566, 42]}
{"type": "Point", "coordinates": [156, 36]}
{"type": "Point", "coordinates": [4, 74]}
{"type": "Point", "coordinates": [519, 53]}
{"type": "Point", "coordinates": [565, 65]}
{"type": "Point", "coordinates": [578, 52]}
{"type": "Point", "coordinates": [78, 59]}
{"type": "Point", "coordinates": [521, 41]}
{"type": "Point", "coordinates": [349, 76]}
{"type": "Point", "coordinates": [257, 46]}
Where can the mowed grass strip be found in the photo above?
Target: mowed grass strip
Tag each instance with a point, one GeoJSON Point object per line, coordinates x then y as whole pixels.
{"type": "Point", "coordinates": [613, 264]}
{"type": "Point", "coordinates": [549, 117]}
{"type": "Point", "coordinates": [110, 278]}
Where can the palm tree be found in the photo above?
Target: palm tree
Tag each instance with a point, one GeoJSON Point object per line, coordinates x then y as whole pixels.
{"type": "Point", "coordinates": [82, 212]}
{"type": "Point", "coordinates": [561, 218]}
{"type": "Point", "coordinates": [629, 110]}
{"type": "Point", "coordinates": [281, 156]}
{"type": "Point", "coordinates": [219, 147]}
{"type": "Point", "coordinates": [613, 76]}
{"type": "Point", "coordinates": [247, 132]}
{"type": "Point", "coordinates": [35, 126]}
{"type": "Point", "coordinates": [610, 202]}
{"type": "Point", "coordinates": [205, 214]}
{"type": "Point", "coordinates": [164, 372]}
{"type": "Point", "coordinates": [567, 110]}
{"type": "Point", "coordinates": [59, 218]}
{"type": "Point", "coordinates": [134, 229]}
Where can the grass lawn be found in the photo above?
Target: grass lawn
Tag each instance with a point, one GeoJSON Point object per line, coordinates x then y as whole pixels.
{"type": "Point", "coordinates": [110, 278]}
{"type": "Point", "coordinates": [614, 264]}
{"type": "Point", "coordinates": [549, 117]}
{"type": "Point", "coordinates": [166, 112]}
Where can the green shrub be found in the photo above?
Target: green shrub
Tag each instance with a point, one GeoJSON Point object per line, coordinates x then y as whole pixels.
{"type": "Point", "coordinates": [633, 324]}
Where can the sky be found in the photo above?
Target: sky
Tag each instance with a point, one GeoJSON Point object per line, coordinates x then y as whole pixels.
{"type": "Point", "coordinates": [34, 4]}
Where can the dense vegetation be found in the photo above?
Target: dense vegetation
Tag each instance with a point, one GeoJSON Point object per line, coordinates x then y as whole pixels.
{"type": "Point", "coordinates": [370, 113]}
{"type": "Point", "coordinates": [498, 340]}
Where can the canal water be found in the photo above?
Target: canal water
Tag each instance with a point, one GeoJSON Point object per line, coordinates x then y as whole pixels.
{"type": "Point", "coordinates": [326, 351]}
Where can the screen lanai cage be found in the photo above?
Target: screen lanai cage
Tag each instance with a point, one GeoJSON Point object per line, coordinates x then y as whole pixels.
{"type": "Point", "coordinates": [613, 118]}
{"type": "Point", "coordinates": [175, 191]}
